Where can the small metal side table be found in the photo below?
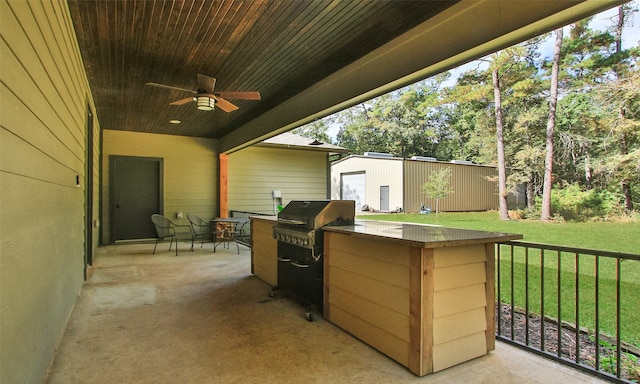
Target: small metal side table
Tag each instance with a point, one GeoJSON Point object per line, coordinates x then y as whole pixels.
{"type": "Point", "coordinates": [227, 230]}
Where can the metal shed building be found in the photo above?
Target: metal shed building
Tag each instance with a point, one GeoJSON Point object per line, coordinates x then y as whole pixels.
{"type": "Point", "coordinates": [388, 183]}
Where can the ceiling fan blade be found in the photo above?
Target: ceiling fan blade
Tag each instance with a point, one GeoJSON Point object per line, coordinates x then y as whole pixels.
{"type": "Point", "coordinates": [182, 101]}
{"type": "Point", "coordinates": [239, 95]}
{"type": "Point", "coordinates": [206, 83]}
{"type": "Point", "coordinates": [225, 105]}
{"type": "Point", "coordinates": [170, 87]}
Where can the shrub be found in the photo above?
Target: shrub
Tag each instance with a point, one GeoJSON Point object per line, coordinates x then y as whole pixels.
{"type": "Point", "coordinates": [574, 204]}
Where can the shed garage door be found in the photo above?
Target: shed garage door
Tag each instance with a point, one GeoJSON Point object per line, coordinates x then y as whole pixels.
{"type": "Point", "coordinates": [353, 188]}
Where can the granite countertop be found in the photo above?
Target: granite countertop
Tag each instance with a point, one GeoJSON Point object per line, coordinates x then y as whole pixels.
{"type": "Point", "coordinates": [418, 235]}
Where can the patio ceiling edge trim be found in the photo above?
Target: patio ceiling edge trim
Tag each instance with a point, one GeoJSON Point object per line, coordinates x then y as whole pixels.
{"type": "Point", "coordinates": [410, 58]}
{"type": "Point", "coordinates": [303, 147]}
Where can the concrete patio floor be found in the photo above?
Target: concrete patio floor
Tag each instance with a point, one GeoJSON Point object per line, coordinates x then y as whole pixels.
{"type": "Point", "coordinates": [201, 317]}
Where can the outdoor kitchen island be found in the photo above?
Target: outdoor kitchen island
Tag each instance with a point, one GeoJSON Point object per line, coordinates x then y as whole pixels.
{"type": "Point", "coordinates": [422, 295]}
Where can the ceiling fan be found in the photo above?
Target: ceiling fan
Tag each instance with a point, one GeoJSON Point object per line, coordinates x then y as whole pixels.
{"type": "Point", "coordinates": [205, 97]}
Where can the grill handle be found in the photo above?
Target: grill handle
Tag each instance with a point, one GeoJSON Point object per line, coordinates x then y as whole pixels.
{"type": "Point", "coordinates": [284, 259]}
{"type": "Point", "coordinates": [299, 265]}
{"type": "Point", "coordinates": [292, 222]}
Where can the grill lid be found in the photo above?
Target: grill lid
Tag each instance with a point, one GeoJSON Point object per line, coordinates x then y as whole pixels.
{"type": "Point", "coordinates": [314, 214]}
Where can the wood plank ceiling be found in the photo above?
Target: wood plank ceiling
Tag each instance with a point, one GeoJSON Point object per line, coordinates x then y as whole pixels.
{"type": "Point", "coordinates": [278, 48]}
{"type": "Point", "coordinates": [307, 58]}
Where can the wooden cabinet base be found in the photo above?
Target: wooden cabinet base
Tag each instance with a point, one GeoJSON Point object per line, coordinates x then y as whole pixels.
{"type": "Point", "coordinates": [427, 308]}
{"type": "Point", "coordinates": [264, 250]}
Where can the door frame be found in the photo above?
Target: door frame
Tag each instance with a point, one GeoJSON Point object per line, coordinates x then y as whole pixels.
{"type": "Point", "coordinates": [112, 187]}
{"type": "Point", "coordinates": [89, 192]}
{"type": "Point", "coordinates": [342, 185]}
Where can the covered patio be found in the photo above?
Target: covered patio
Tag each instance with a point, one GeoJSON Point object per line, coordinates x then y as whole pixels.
{"type": "Point", "coordinates": [203, 317]}
{"type": "Point", "coordinates": [76, 93]}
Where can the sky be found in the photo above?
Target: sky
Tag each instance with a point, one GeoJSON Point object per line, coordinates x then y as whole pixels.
{"type": "Point", "coordinates": [602, 21]}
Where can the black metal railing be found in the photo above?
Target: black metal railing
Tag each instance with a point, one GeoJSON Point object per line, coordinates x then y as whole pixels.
{"type": "Point", "coordinates": [580, 307]}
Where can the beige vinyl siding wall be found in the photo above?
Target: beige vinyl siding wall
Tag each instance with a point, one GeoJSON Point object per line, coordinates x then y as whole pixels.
{"type": "Point", "coordinates": [369, 292]}
{"type": "Point", "coordinates": [472, 189]}
{"type": "Point", "coordinates": [190, 171]}
{"type": "Point", "coordinates": [460, 307]}
{"type": "Point", "coordinates": [43, 119]}
{"type": "Point", "coordinates": [255, 172]}
{"type": "Point", "coordinates": [378, 172]}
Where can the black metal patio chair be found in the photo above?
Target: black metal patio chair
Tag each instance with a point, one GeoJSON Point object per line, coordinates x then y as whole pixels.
{"type": "Point", "coordinates": [166, 228]}
{"type": "Point", "coordinates": [199, 228]}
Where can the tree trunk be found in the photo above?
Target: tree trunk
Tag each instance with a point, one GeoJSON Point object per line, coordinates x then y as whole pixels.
{"type": "Point", "coordinates": [588, 176]}
{"type": "Point", "coordinates": [551, 124]}
{"type": "Point", "coordinates": [530, 194]}
{"type": "Point", "coordinates": [624, 184]}
{"type": "Point", "coordinates": [502, 170]}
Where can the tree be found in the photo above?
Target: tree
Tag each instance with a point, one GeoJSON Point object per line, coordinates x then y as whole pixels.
{"type": "Point", "coordinates": [511, 62]}
{"type": "Point", "coordinates": [625, 184]}
{"type": "Point", "coordinates": [502, 169]}
{"type": "Point", "coordinates": [437, 186]}
{"type": "Point", "coordinates": [359, 132]}
{"type": "Point", "coordinates": [490, 102]}
{"type": "Point", "coordinates": [405, 122]}
{"type": "Point", "coordinates": [551, 124]}
{"type": "Point", "coordinates": [316, 130]}
{"type": "Point", "coordinates": [597, 127]}
{"type": "Point", "coordinates": [618, 165]}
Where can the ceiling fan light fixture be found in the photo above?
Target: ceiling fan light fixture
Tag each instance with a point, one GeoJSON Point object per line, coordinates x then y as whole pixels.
{"type": "Point", "coordinates": [205, 103]}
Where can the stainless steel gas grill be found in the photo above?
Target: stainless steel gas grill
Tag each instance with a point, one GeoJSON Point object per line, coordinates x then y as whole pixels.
{"type": "Point", "coordinates": [301, 245]}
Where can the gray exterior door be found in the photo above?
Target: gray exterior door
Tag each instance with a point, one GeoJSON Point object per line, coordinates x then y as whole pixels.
{"type": "Point", "coordinates": [384, 197]}
{"type": "Point", "coordinates": [136, 194]}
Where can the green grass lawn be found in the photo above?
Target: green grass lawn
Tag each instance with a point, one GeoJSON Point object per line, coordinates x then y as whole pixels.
{"type": "Point", "coordinates": [607, 236]}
